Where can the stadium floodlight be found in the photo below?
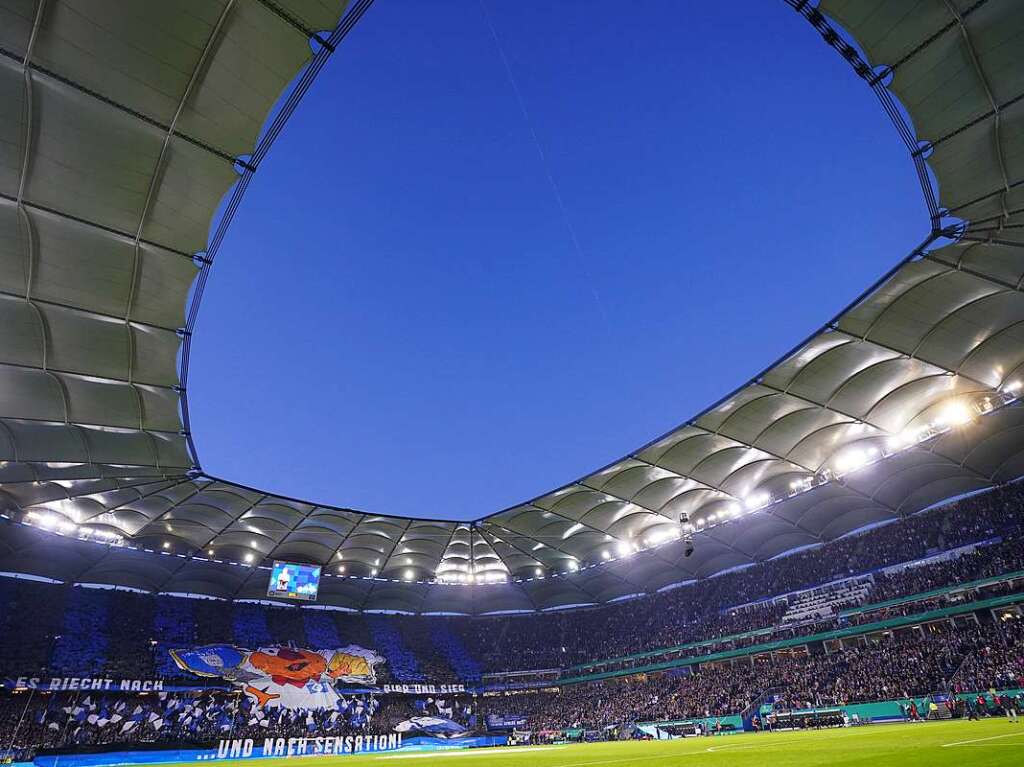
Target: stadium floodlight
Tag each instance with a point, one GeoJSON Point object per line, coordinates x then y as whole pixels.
{"type": "Point", "coordinates": [409, 575]}
{"type": "Point", "coordinates": [851, 460]}
{"type": "Point", "coordinates": [955, 414]}
{"type": "Point", "coordinates": [756, 501]}
{"type": "Point", "coordinates": [249, 557]}
{"type": "Point", "coordinates": [605, 554]}
{"type": "Point", "coordinates": [623, 549]}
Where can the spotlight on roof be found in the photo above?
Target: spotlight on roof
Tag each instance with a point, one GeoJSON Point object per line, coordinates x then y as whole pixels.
{"type": "Point", "coordinates": [955, 414]}
{"type": "Point", "coordinates": [756, 501]}
{"type": "Point", "coordinates": [851, 460]}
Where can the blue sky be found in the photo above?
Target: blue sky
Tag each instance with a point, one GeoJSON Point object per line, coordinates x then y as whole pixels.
{"type": "Point", "coordinates": [399, 320]}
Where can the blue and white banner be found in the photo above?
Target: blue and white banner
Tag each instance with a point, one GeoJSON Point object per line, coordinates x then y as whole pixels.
{"type": "Point", "coordinates": [432, 725]}
{"type": "Point", "coordinates": [278, 676]}
{"type": "Point", "coordinates": [84, 683]}
{"type": "Point", "coordinates": [241, 748]}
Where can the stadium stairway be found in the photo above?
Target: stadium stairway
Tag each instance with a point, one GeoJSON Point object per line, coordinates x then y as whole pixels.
{"type": "Point", "coordinates": [764, 698]}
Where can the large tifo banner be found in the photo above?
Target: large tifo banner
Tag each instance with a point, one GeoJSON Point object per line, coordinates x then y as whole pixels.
{"type": "Point", "coordinates": [284, 677]}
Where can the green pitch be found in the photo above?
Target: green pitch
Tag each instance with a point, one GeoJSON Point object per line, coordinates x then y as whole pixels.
{"type": "Point", "coordinates": [991, 742]}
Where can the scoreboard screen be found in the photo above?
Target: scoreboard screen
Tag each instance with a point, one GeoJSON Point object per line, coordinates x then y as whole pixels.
{"type": "Point", "coordinates": [294, 581]}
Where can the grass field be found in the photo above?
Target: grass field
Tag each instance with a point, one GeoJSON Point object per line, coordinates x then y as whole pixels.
{"type": "Point", "coordinates": [992, 743]}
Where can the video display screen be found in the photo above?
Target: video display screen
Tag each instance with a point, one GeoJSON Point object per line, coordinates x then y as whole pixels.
{"type": "Point", "coordinates": [294, 581]}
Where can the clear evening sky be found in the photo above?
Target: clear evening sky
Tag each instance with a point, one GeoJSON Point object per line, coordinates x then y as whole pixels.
{"type": "Point", "coordinates": [400, 320]}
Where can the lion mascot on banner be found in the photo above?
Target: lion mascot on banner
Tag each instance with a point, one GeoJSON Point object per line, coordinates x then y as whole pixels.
{"type": "Point", "coordinates": [284, 676]}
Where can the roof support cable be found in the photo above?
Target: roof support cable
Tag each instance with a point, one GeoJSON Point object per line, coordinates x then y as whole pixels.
{"type": "Point", "coordinates": [996, 110]}
{"type": "Point", "coordinates": [701, 485]}
{"type": "Point", "coordinates": [30, 243]}
{"type": "Point", "coordinates": [490, 542]}
{"type": "Point", "coordinates": [115, 104]}
{"type": "Point", "coordinates": [834, 40]}
{"type": "Point", "coordinates": [630, 501]}
{"type": "Point", "coordinates": [555, 547]}
{"type": "Point", "coordinates": [856, 419]}
{"type": "Point", "coordinates": [216, 533]}
{"type": "Point", "coordinates": [27, 147]}
{"type": "Point", "coordinates": [297, 25]}
{"type": "Point", "coordinates": [313, 68]}
{"type": "Point", "coordinates": [443, 557]}
{"type": "Point", "coordinates": [154, 184]}
{"type": "Point", "coordinates": [168, 483]}
{"type": "Point", "coordinates": [891, 68]}
{"type": "Point", "coordinates": [126, 236]}
{"type": "Point", "coordinates": [944, 368]}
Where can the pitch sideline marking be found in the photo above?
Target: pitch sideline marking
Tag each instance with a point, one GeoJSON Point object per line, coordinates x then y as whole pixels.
{"type": "Point", "coordinates": [765, 742]}
{"type": "Point", "coordinates": [470, 752]}
{"type": "Point", "coordinates": [979, 740]}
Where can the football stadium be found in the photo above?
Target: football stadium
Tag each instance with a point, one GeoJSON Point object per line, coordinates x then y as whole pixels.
{"type": "Point", "coordinates": [824, 566]}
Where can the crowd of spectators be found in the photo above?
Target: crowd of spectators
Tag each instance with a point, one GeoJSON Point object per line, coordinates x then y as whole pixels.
{"type": "Point", "coordinates": [941, 657]}
{"type": "Point", "coordinates": [917, 663]}
{"type": "Point", "coordinates": [41, 720]}
{"type": "Point", "coordinates": [977, 565]}
{"type": "Point", "coordinates": [119, 634]}
{"type": "Point", "coordinates": [49, 630]}
{"type": "Point", "coordinates": [708, 608]}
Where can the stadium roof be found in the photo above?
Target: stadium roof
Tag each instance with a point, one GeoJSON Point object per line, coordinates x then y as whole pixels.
{"type": "Point", "coordinates": [124, 125]}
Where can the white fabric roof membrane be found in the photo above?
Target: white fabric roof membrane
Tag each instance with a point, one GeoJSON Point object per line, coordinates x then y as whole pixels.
{"type": "Point", "coordinates": [120, 127]}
